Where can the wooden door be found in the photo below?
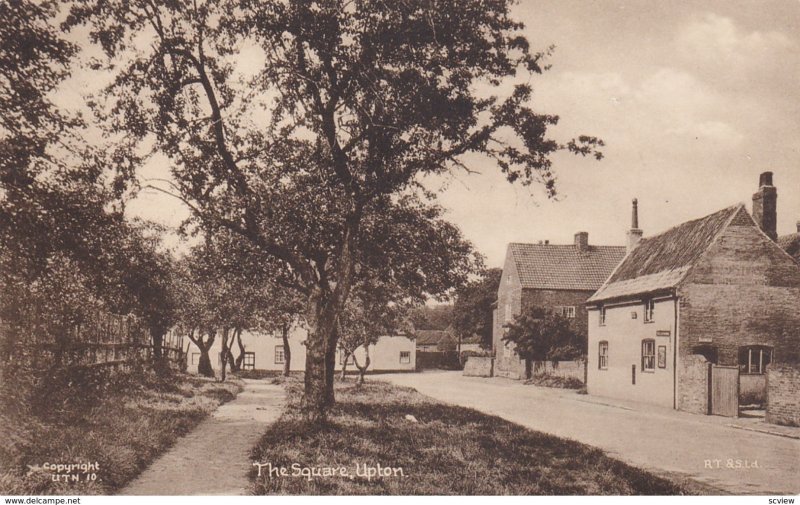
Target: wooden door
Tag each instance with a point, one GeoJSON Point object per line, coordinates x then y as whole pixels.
{"type": "Point", "coordinates": [725, 391]}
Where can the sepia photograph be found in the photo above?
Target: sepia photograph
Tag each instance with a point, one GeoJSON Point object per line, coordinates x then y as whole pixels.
{"type": "Point", "coordinates": [428, 248]}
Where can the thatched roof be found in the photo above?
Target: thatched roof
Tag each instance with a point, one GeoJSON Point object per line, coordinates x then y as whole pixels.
{"type": "Point", "coordinates": [545, 266]}
{"type": "Point", "coordinates": [791, 244]}
{"type": "Point", "coordinates": [660, 262]}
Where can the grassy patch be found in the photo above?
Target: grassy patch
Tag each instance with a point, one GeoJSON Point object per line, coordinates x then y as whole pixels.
{"type": "Point", "coordinates": [448, 450]}
{"type": "Point", "coordinates": [122, 426]}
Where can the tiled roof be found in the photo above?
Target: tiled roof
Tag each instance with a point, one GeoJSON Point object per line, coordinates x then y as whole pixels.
{"type": "Point", "coordinates": [661, 261]}
{"type": "Point", "coordinates": [791, 244]}
{"type": "Point", "coordinates": [432, 337]}
{"type": "Point", "coordinates": [541, 266]}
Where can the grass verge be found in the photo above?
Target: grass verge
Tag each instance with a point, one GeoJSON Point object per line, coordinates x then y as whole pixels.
{"type": "Point", "coordinates": [122, 426]}
{"type": "Point", "coordinates": [441, 450]}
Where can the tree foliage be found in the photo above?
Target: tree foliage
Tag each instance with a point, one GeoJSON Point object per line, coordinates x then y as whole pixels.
{"type": "Point", "coordinates": [472, 310]}
{"type": "Point", "coordinates": [539, 334]}
{"type": "Point", "coordinates": [310, 153]}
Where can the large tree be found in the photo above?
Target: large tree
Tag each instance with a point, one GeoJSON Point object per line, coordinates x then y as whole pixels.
{"type": "Point", "coordinates": [472, 310]}
{"type": "Point", "coordinates": [344, 106]}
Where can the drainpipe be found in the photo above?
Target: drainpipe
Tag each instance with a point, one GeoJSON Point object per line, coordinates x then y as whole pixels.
{"type": "Point", "coordinates": [675, 357]}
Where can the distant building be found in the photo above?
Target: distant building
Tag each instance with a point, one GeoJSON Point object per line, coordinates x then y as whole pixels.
{"type": "Point", "coordinates": [717, 289]}
{"type": "Point", "coordinates": [556, 277]}
{"type": "Point", "coordinates": [267, 352]}
{"type": "Point", "coordinates": [435, 340]}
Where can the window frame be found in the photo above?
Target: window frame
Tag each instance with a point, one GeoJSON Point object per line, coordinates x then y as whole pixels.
{"type": "Point", "coordinates": [602, 358]}
{"type": "Point", "coordinates": [408, 357]}
{"type": "Point", "coordinates": [651, 358]}
{"type": "Point", "coordinates": [649, 310]}
{"type": "Point", "coordinates": [751, 363]}
{"type": "Point", "coordinates": [282, 355]}
{"type": "Point", "coordinates": [249, 362]}
{"type": "Point", "coordinates": [565, 311]}
{"type": "Point", "coordinates": [602, 315]}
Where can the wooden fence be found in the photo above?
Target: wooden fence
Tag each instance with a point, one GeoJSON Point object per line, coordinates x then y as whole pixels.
{"type": "Point", "coordinates": [106, 341]}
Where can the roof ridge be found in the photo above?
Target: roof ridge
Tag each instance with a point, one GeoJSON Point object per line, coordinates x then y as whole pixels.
{"type": "Point", "coordinates": [695, 220]}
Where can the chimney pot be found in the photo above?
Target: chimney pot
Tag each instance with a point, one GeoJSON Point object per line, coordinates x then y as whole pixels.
{"type": "Point", "coordinates": [798, 227]}
{"type": "Point", "coordinates": [765, 179]}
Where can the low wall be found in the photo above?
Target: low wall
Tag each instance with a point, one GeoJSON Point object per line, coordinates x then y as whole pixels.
{"type": "Point", "coordinates": [783, 394]}
{"type": "Point", "coordinates": [566, 369]}
{"type": "Point", "coordinates": [478, 366]}
{"type": "Point", "coordinates": [693, 377]}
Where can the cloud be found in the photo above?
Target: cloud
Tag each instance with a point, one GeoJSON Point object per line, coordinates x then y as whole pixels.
{"type": "Point", "coordinates": [721, 51]}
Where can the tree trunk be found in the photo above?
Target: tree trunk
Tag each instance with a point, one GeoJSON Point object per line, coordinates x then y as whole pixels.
{"type": "Point", "coordinates": [240, 358]}
{"type": "Point", "coordinates": [528, 368]}
{"type": "Point", "coordinates": [287, 351]}
{"type": "Point", "coordinates": [344, 364]}
{"type": "Point", "coordinates": [204, 367]}
{"type": "Point", "coordinates": [317, 396]}
{"type": "Point", "coordinates": [160, 365]}
{"type": "Point", "coordinates": [324, 307]}
{"type": "Point", "coordinates": [362, 370]}
{"type": "Point", "coordinates": [224, 354]}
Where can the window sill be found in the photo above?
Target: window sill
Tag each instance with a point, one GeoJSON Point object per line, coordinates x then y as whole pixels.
{"type": "Point", "coordinates": [648, 371]}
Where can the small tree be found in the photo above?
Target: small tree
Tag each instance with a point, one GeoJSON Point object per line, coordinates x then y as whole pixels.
{"type": "Point", "coordinates": [539, 334]}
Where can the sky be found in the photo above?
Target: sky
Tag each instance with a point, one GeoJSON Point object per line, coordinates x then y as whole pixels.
{"type": "Point", "coordinates": [694, 99]}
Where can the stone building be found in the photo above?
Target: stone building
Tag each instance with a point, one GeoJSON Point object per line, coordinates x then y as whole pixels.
{"type": "Point", "coordinates": [715, 290]}
{"type": "Point", "coordinates": [555, 277]}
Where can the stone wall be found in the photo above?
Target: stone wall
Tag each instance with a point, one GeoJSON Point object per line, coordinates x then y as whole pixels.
{"type": "Point", "coordinates": [693, 374]}
{"type": "Point", "coordinates": [566, 369]}
{"type": "Point", "coordinates": [479, 366]}
{"type": "Point", "coordinates": [783, 394]}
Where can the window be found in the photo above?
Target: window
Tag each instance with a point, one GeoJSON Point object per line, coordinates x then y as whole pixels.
{"type": "Point", "coordinates": [602, 358]}
{"type": "Point", "coordinates": [279, 357]}
{"type": "Point", "coordinates": [405, 357]}
{"type": "Point", "coordinates": [649, 310]}
{"type": "Point", "coordinates": [507, 314]}
{"type": "Point", "coordinates": [195, 358]}
{"type": "Point", "coordinates": [566, 311]}
{"type": "Point", "coordinates": [648, 355]}
{"type": "Point", "coordinates": [602, 316]}
{"type": "Point", "coordinates": [249, 361]}
{"type": "Point", "coordinates": [753, 359]}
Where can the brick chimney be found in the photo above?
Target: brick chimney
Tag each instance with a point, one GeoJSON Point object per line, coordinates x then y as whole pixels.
{"type": "Point", "coordinates": [582, 241]}
{"type": "Point", "coordinates": [635, 233]}
{"type": "Point", "coordinates": [765, 205]}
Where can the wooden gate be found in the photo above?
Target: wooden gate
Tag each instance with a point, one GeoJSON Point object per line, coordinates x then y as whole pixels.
{"type": "Point", "coordinates": [725, 391]}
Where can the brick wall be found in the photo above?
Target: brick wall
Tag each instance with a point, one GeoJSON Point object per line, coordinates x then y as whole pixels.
{"type": "Point", "coordinates": [693, 372]}
{"type": "Point", "coordinates": [783, 394]}
{"type": "Point", "coordinates": [744, 291]}
{"type": "Point", "coordinates": [479, 366]}
{"type": "Point", "coordinates": [566, 369]}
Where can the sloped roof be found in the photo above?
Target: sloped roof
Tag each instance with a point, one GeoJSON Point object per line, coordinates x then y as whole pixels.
{"type": "Point", "coordinates": [791, 244]}
{"type": "Point", "coordinates": [432, 337]}
{"type": "Point", "coordinates": [545, 266]}
{"type": "Point", "coordinates": [661, 261]}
